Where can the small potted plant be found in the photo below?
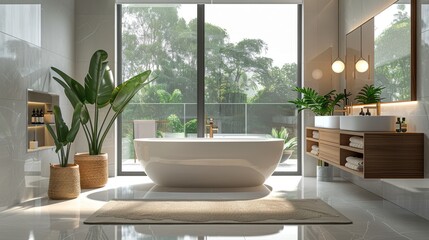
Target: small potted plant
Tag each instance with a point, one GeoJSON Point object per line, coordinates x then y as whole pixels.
{"type": "Point", "coordinates": [323, 106]}
{"type": "Point", "coordinates": [98, 93]}
{"type": "Point", "coordinates": [369, 94]}
{"type": "Point", "coordinates": [289, 143]}
{"type": "Point", "coordinates": [64, 179]}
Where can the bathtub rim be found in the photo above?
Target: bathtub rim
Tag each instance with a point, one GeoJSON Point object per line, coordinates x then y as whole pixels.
{"type": "Point", "coordinates": [212, 140]}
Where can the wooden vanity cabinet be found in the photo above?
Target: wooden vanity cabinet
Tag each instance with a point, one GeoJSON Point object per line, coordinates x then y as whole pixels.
{"type": "Point", "coordinates": [385, 154]}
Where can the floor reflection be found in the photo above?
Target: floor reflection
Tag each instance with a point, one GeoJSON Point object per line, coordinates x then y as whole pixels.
{"type": "Point", "coordinates": [156, 192]}
{"type": "Point", "coordinates": [208, 230]}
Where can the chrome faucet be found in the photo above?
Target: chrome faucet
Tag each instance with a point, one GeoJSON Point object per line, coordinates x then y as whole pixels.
{"type": "Point", "coordinates": [211, 127]}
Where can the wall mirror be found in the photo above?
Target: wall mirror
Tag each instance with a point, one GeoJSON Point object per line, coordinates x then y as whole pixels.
{"type": "Point", "coordinates": [387, 42]}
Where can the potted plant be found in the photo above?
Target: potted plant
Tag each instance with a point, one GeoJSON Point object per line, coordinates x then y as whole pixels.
{"type": "Point", "coordinates": [323, 106]}
{"type": "Point", "coordinates": [97, 94]}
{"type": "Point", "coordinates": [369, 94]}
{"type": "Point", "coordinates": [289, 143]}
{"type": "Point", "coordinates": [64, 179]}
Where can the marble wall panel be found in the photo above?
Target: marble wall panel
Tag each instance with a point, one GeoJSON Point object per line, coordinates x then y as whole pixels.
{"type": "Point", "coordinates": [25, 63]}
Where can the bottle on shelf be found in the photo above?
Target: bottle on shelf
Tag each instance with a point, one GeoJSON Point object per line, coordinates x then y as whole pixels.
{"type": "Point", "coordinates": [49, 117]}
{"type": "Point", "coordinates": [37, 116]}
{"type": "Point", "coordinates": [33, 117]}
{"type": "Point", "coordinates": [398, 125]}
{"type": "Point", "coordinates": [42, 117]}
{"type": "Point", "coordinates": [362, 113]}
{"type": "Point", "coordinates": [403, 125]}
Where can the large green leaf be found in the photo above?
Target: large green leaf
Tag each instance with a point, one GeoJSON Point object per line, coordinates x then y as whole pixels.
{"type": "Point", "coordinates": [58, 145]}
{"type": "Point", "coordinates": [61, 127]}
{"type": "Point", "coordinates": [94, 78]}
{"type": "Point", "coordinates": [126, 91]}
{"type": "Point", "coordinates": [71, 95]}
{"type": "Point", "coordinates": [74, 128]}
{"type": "Point", "coordinates": [74, 100]}
{"type": "Point", "coordinates": [74, 85]}
{"type": "Point", "coordinates": [106, 87]}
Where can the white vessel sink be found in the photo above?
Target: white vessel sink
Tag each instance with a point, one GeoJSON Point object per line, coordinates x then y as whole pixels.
{"type": "Point", "coordinates": [368, 123]}
{"type": "Point", "coordinates": [327, 121]}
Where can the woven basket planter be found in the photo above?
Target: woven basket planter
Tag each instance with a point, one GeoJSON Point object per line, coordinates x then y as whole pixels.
{"type": "Point", "coordinates": [93, 169]}
{"type": "Point", "coordinates": [64, 182]}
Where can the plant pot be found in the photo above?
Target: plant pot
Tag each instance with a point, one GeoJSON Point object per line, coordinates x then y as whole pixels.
{"type": "Point", "coordinates": [64, 182]}
{"type": "Point", "coordinates": [286, 155]}
{"type": "Point", "coordinates": [327, 121]}
{"type": "Point", "coordinates": [93, 169]}
{"type": "Point", "coordinates": [325, 173]}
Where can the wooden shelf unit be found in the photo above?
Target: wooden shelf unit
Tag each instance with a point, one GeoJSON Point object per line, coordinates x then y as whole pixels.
{"type": "Point", "coordinates": [385, 154]}
{"type": "Point", "coordinates": [38, 131]}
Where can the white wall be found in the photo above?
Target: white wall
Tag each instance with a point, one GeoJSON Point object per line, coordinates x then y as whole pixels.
{"type": "Point", "coordinates": [95, 29]}
{"type": "Point", "coordinates": [25, 60]}
{"type": "Point", "coordinates": [319, 48]}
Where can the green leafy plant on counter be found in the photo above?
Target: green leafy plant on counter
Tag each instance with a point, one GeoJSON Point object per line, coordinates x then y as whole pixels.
{"type": "Point", "coordinates": [321, 105]}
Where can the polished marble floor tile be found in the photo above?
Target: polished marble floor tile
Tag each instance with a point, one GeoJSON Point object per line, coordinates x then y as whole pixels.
{"type": "Point", "coordinates": [372, 216]}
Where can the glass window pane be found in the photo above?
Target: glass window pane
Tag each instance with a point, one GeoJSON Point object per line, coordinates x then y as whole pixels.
{"type": "Point", "coordinates": [251, 69]}
{"type": "Point", "coordinates": [162, 38]}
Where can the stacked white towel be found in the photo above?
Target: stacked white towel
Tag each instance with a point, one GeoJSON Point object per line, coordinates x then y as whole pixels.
{"type": "Point", "coordinates": [315, 134]}
{"type": "Point", "coordinates": [354, 163]}
{"type": "Point", "coordinates": [314, 150]}
{"type": "Point", "coordinates": [356, 142]}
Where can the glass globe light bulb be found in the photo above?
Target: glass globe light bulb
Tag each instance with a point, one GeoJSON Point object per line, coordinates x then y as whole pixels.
{"type": "Point", "coordinates": [361, 65]}
{"type": "Point", "coordinates": [338, 66]}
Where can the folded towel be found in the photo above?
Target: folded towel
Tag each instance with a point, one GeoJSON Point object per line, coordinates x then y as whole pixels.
{"type": "Point", "coordinates": [356, 145]}
{"type": "Point", "coordinates": [355, 139]}
{"type": "Point", "coordinates": [355, 160]}
{"type": "Point", "coordinates": [315, 134]}
{"type": "Point", "coordinates": [315, 147]}
{"type": "Point", "coordinates": [315, 152]}
{"type": "Point", "coordinates": [353, 166]}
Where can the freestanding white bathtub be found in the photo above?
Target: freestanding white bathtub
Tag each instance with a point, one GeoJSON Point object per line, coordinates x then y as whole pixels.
{"type": "Point", "coordinates": [209, 162]}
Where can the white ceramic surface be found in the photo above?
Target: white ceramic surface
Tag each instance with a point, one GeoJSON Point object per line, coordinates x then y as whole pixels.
{"type": "Point", "coordinates": [327, 121]}
{"type": "Point", "coordinates": [368, 123]}
{"type": "Point", "coordinates": [205, 162]}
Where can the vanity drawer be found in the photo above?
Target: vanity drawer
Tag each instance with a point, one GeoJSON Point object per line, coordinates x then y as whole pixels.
{"type": "Point", "coordinates": [330, 136]}
{"type": "Point", "coordinates": [329, 152]}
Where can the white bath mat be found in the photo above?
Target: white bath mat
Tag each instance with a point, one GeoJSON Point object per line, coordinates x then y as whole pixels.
{"type": "Point", "coordinates": [258, 211]}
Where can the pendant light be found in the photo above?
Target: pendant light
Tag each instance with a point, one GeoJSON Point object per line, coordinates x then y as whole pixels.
{"type": "Point", "coordinates": [338, 65]}
{"type": "Point", "coordinates": [361, 65]}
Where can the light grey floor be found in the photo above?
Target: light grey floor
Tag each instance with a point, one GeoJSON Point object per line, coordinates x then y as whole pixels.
{"type": "Point", "coordinates": [373, 217]}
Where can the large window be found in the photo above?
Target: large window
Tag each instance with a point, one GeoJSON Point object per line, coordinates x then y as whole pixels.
{"type": "Point", "coordinates": [251, 60]}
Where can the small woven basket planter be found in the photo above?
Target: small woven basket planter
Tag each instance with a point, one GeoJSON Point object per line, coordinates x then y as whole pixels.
{"type": "Point", "coordinates": [93, 169]}
{"type": "Point", "coordinates": [64, 182]}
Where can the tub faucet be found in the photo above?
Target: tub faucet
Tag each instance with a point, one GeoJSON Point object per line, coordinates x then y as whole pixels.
{"type": "Point", "coordinates": [211, 127]}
